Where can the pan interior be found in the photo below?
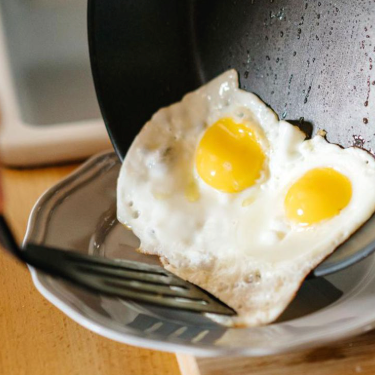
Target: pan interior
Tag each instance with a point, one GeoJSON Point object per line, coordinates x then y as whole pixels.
{"type": "Point", "coordinates": [312, 62]}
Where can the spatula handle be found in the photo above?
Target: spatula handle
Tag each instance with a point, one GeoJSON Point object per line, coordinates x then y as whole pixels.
{"type": "Point", "coordinates": [7, 239]}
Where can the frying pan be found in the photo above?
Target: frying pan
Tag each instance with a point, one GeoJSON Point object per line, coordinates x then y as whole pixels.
{"type": "Point", "coordinates": [311, 61]}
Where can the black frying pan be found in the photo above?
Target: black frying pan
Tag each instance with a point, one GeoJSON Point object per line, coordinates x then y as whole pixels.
{"type": "Point", "coordinates": [306, 59]}
{"type": "Point", "coordinates": [311, 61]}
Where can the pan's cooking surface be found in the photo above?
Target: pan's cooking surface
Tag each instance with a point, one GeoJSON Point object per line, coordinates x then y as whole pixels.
{"type": "Point", "coordinates": [306, 59]}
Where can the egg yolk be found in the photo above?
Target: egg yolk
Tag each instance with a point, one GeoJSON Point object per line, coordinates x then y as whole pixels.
{"type": "Point", "coordinates": [318, 195]}
{"type": "Point", "coordinates": [229, 157]}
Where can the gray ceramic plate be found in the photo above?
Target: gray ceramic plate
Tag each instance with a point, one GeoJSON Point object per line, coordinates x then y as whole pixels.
{"type": "Point", "coordinates": [79, 214]}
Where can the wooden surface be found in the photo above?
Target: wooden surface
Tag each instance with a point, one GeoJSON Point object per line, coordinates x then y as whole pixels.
{"type": "Point", "coordinates": [36, 338]}
{"type": "Point", "coordinates": [353, 356]}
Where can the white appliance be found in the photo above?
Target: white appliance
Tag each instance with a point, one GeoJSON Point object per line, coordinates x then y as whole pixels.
{"type": "Point", "coordinates": [48, 108]}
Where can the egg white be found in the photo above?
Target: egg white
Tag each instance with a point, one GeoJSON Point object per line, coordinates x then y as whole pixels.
{"type": "Point", "coordinates": [239, 246]}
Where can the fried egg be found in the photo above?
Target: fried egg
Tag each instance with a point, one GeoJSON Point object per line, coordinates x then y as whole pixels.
{"type": "Point", "coordinates": [238, 202]}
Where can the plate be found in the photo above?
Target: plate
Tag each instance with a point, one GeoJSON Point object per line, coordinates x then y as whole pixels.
{"type": "Point", "coordinates": [79, 214]}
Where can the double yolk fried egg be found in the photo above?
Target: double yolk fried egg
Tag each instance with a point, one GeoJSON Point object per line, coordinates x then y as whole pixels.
{"type": "Point", "coordinates": [238, 202]}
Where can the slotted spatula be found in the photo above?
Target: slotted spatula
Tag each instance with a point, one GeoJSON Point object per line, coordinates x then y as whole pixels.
{"type": "Point", "coordinates": [118, 278]}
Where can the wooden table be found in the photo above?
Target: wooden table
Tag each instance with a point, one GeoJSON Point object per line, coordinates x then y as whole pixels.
{"type": "Point", "coordinates": [37, 339]}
